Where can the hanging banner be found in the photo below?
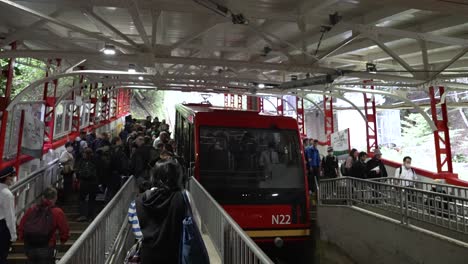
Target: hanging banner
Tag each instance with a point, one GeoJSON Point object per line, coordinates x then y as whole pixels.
{"type": "Point", "coordinates": [340, 143]}
{"type": "Point", "coordinates": [33, 135]}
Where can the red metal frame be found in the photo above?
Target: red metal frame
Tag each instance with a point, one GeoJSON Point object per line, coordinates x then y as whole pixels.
{"type": "Point", "coordinates": [328, 117]}
{"type": "Point", "coordinates": [231, 100]}
{"type": "Point", "coordinates": [371, 116]}
{"type": "Point", "coordinates": [260, 105]}
{"type": "Point", "coordinates": [49, 113]}
{"type": "Point", "coordinates": [5, 100]}
{"type": "Point", "coordinates": [250, 102]}
{"type": "Point", "coordinates": [76, 118]}
{"type": "Point", "coordinates": [239, 102]}
{"type": "Point", "coordinates": [300, 115]}
{"type": "Point", "coordinates": [441, 135]}
{"type": "Point", "coordinates": [279, 106]}
{"type": "Point", "coordinates": [93, 100]}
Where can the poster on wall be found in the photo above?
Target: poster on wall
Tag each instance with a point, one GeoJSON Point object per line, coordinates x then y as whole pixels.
{"type": "Point", "coordinates": [340, 143]}
{"type": "Point", "coordinates": [33, 135]}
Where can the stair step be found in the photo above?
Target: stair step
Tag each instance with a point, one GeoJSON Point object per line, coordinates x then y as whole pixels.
{"type": "Point", "coordinates": [19, 258]}
{"type": "Point", "coordinates": [18, 247]}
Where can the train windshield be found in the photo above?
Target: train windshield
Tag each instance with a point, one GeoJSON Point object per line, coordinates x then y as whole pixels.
{"type": "Point", "coordinates": [250, 159]}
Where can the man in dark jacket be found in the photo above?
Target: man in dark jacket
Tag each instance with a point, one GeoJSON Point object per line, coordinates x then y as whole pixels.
{"type": "Point", "coordinates": [375, 166]}
{"type": "Point", "coordinates": [141, 159]}
{"type": "Point", "coordinates": [161, 212]}
{"type": "Point", "coordinates": [359, 169]}
{"type": "Point", "coordinates": [44, 253]}
{"type": "Point", "coordinates": [118, 167]}
{"type": "Point", "coordinates": [86, 172]}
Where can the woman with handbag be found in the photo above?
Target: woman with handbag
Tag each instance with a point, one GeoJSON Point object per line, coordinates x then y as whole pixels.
{"type": "Point", "coordinates": [67, 160]}
{"type": "Point", "coordinates": [161, 212]}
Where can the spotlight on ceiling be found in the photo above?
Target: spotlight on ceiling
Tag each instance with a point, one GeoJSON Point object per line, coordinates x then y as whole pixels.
{"type": "Point", "coordinates": [140, 78]}
{"type": "Point", "coordinates": [109, 49]}
{"type": "Point", "coordinates": [261, 85]}
{"type": "Point", "coordinates": [131, 68]}
{"type": "Point", "coordinates": [371, 68]}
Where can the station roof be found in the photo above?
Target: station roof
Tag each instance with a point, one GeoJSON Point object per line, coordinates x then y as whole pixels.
{"type": "Point", "coordinates": [233, 46]}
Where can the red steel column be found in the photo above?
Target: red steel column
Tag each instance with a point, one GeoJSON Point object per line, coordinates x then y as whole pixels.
{"type": "Point", "coordinates": [232, 100]}
{"type": "Point", "coordinates": [441, 135]}
{"type": "Point", "coordinates": [260, 105]}
{"type": "Point", "coordinates": [5, 100]}
{"type": "Point", "coordinates": [371, 116]}
{"type": "Point", "coordinates": [226, 100]}
{"type": "Point", "coordinates": [93, 101]}
{"type": "Point", "coordinates": [49, 113]}
{"type": "Point", "coordinates": [300, 115]}
{"type": "Point", "coordinates": [104, 105]}
{"type": "Point", "coordinates": [329, 122]}
{"type": "Point", "coordinates": [76, 118]}
{"type": "Point", "coordinates": [114, 101]}
{"type": "Point", "coordinates": [279, 106]}
{"type": "Point", "coordinates": [239, 102]}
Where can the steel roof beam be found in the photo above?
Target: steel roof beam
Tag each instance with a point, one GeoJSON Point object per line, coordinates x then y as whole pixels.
{"type": "Point", "coordinates": [195, 35]}
{"type": "Point", "coordinates": [21, 33]}
{"type": "Point", "coordinates": [135, 12]}
{"type": "Point", "coordinates": [89, 12]}
{"type": "Point", "coordinates": [63, 24]}
{"type": "Point", "coordinates": [372, 30]}
{"type": "Point", "coordinates": [393, 55]}
{"type": "Point", "coordinates": [155, 17]}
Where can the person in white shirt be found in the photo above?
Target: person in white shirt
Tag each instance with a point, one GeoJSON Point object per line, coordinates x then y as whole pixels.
{"type": "Point", "coordinates": [7, 213]}
{"type": "Point", "coordinates": [406, 173]}
{"type": "Point", "coordinates": [269, 157]}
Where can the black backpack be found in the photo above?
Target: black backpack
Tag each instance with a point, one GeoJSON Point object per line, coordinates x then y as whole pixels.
{"type": "Point", "coordinates": [39, 227]}
{"type": "Point", "coordinates": [87, 170]}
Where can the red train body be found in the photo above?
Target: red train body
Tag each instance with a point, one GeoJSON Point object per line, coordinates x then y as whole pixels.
{"type": "Point", "coordinates": [252, 164]}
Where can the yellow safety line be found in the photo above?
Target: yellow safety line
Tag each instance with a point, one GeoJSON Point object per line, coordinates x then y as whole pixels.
{"type": "Point", "coordinates": [278, 233]}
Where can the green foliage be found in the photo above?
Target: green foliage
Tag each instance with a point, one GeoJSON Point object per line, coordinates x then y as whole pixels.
{"type": "Point", "coordinates": [23, 75]}
{"type": "Point", "coordinates": [415, 130]}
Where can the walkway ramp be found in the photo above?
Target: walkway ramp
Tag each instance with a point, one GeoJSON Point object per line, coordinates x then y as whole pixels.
{"type": "Point", "coordinates": [388, 222]}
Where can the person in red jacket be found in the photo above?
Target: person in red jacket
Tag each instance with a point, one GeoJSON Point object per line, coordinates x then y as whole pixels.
{"type": "Point", "coordinates": [35, 221]}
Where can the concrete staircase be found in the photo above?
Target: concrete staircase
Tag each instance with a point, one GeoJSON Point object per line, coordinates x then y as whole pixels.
{"type": "Point", "coordinates": [71, 210]}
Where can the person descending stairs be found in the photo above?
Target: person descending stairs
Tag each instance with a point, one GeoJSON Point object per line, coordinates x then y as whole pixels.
{"type": "Point", "coordinates": [71, 210]}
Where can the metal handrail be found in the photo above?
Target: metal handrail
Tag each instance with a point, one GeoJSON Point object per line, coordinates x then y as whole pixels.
{"type": "Point", "coordinates": [30, 188]}
{"type": "Point", "coordinates": [95, 243]}
{"type": "Point", "coordinates": [22, 182]}
{"type": "Point", "coordinates": [448, 188]}
{"type": "Point", "coordinates": [232, 243]}
{"type": "Point", "coordinates": [445, 211]}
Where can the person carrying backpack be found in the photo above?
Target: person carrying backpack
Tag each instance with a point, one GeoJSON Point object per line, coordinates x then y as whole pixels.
{"type": "Point", "coordinates": [330, 165]}
{"type": "Point", "coordinates": [38, 229]}
{"type": "Point", "coordinates": [86, 172]}
{"type": "Point", "coordinates": [406, 173]}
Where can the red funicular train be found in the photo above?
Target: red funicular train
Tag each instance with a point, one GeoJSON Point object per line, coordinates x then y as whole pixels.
{"type": "Point", "coordinates": [252, 164]}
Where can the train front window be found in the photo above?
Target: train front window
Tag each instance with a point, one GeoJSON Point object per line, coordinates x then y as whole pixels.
{"type": "Point", "coordinates": [250, 159]}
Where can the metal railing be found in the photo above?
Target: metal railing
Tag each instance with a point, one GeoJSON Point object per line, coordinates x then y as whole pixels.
{"type": "Point", "coordinates": [97, 242]}
{"type": "Point", "coordinates": [28, 189]}
{"type": "Point", "coordinates": [436, 208]}
{"type": "Point", "coordinates": [232, 243]}
{"type": "Point", "coordinates": [427, 186]}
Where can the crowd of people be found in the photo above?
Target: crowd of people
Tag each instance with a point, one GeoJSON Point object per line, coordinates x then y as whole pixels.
{"type": "Point", "coordinates": [97, 163]}
{"type": "Point", "coordinates": [357, 165]}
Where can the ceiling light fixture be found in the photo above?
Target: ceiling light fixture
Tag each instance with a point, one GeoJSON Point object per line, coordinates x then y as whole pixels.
{"type": "Point", "coordinates": [261, 85]}
{"type": "Point", "coordinates": [140, 78]}
{"type": "Point", "coordinates": [131, 68]}
{"type": "Point", "coordinates": [109, 49]}
{"type": "Point", "coordinates": [371, 68]}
